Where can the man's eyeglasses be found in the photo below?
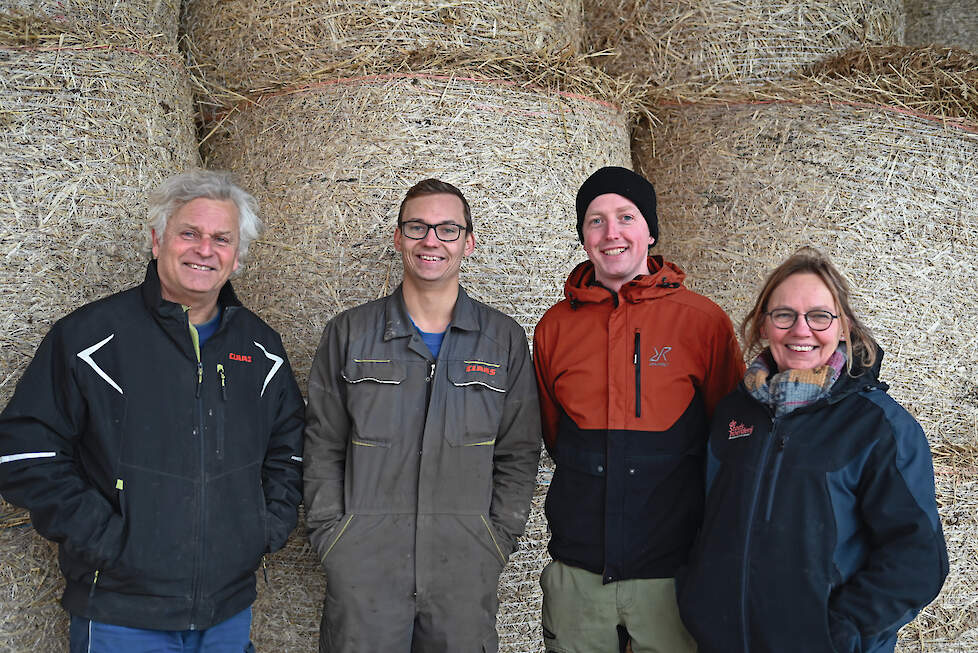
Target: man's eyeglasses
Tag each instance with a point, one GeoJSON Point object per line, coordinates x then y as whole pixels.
{"type": "Point", "coordinates": [785, 318]}
{"type": "Point", "coordinates": [446, 231]}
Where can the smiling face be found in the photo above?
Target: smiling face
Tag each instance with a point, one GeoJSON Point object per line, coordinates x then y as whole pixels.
{"type": "Point", "coordinates": [197, 252]}
{"type": "Point", "coordinates": [798, 347]}
{"type": "Point", "coordinates": [616, 239]}
{"type": "Point", "coordinates": [430, 262]}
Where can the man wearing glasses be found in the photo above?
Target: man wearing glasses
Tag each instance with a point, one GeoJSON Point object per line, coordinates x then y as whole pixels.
{"type": "Point", "coordinates": [422, 443]}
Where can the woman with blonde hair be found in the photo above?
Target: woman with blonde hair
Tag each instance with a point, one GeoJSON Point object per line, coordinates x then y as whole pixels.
{"type": "Point", "coordinates": [821, 531]}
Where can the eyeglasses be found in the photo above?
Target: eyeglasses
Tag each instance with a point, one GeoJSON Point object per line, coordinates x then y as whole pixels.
{"type": "Point", "coordinates": [785, 318]}
{"type": "Point", "coordinates": [446, 231]}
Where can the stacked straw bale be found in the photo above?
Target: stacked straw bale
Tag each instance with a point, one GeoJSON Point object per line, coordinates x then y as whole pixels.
{"type": "Point", "coordinates": [31, 619]}
{"type": "Point", "coordinates": [149, 16]}
{"type": "Point", "coordinates": [254, 44]}
{"type": "Point", "coordinates": [873, 158]}
{"type": "Point", "coordinates": [943, 22]}
{"type": "Point", "coordinates": [91, 123]}
{"type": "Point", "coordinates": [689, 48]}
{"type": "Point", "coordinates": [330, 165]}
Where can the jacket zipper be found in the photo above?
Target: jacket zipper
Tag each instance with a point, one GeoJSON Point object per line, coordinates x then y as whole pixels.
{"type": "Point", "coordinates": [637, 361]}
{"type": "Point", "coordinates": [91, 592]}
{"type": "Point", "coordinates": [765, 455]}
{"type": "Point", "coordinates": [219, 445]}
{"type": "Point", "coordinates": [775, 474]}
{"type": "Point", "coordinates": [201, 512]}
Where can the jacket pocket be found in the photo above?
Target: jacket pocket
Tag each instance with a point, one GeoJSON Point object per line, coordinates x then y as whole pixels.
{"type": "Point", "coordinates": [373, 398]}
{"type": "Point", "coordinates": [475, 402]}
{"type": "Point", "coordinates": [334, 536]}
{"type": "Point", "coordinates": [497, 541]}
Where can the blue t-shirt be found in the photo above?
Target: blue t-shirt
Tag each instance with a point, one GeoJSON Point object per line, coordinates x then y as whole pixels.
{"type": "Point", "coordinates": [207, 329]}
{"type": "Point", "coordinates": [431, 340]}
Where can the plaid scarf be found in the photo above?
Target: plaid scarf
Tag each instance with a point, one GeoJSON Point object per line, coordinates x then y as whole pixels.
{"type": "Point", "coordinates": [791, 389]}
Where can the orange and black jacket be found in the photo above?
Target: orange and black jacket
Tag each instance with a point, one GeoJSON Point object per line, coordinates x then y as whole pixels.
{"type": "Point", "coordinates": [627, 382]}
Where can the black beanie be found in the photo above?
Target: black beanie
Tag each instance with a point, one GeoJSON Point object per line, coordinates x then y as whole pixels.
{"type": "Point", "coordinates": [624, 182]}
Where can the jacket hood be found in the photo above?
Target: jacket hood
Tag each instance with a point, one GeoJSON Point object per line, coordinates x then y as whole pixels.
{"type": "Point", "coordinates": [664, 278]}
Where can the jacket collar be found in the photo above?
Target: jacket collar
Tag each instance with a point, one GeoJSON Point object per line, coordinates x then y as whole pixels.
{"type": "Point", "coordinates": [664, 278]}
{"type": "Point", "coordinates": [398, 321]}
{"type": "Point", "coordinates": [152, 293]}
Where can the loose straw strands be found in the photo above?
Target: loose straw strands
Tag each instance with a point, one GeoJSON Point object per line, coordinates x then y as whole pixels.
{"type": "Point", "coordinates": [158, 17]}
{"type": "Point", "coordinates": [694, 48]}
{"type": "Point", "coordinates": [30, 585]}
{"type": "Point", "coordinates": [330, 165]}
{"type": "Point", "coordinates": [251, 44]}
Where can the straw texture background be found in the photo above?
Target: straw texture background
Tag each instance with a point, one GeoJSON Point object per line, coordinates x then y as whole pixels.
{"type": "Point", "coordinates": [31, 619]}
{"type": "Point", "coordinates": [944, 22]}
{"type": "Point", "coordinates": [695, 47]}
{"type": "Point", "coordinates": [152, 16]}
{"type": "Point", "coordinates": [252, 44]}
{"type": "Point", "coordinates": [887, 191]}
{"type": "Point", "coordinates": [331, 163]}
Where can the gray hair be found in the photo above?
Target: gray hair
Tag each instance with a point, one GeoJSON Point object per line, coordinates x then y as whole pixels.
{"type": "Point", "coordinates": [181, 189]}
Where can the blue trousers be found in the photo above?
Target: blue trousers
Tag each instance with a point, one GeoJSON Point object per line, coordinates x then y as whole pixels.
{"type": "Point", "coordinates": [230, 636]}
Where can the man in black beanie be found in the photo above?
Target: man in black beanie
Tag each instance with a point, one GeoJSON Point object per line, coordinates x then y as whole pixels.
{"type": "Point", "coordinates": [629, 368]}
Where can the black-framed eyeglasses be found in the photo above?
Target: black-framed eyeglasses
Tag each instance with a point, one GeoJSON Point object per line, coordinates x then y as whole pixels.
{"type": "Point", "coordinates": [446, 232]}
{"type": "Point", "coordinates": [785, 318]}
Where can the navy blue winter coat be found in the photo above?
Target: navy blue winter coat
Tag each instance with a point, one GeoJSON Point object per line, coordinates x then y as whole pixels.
{"type": "Point", "coordinates": [821, 531]}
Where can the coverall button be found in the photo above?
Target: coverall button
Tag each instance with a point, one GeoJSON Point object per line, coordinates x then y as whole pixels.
{"type": "Point", "coordinates": [600, 468]}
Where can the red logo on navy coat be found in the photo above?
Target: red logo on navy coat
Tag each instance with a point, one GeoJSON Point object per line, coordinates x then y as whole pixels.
{"type": "Point", "coordinates": [739, 430]}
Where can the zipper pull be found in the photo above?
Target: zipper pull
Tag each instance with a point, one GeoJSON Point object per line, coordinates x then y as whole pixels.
{"type": "Point", "coordinates": [781, 443]}
{"type": "Point", "coordinates": [91, 592]}
{"type": "Point", "coordinates": [200, 378]}
{"type": "Point", "coordinates": [431, 373]}
{"type": "Point", "coordinates": [224, 389]}
{"type": "Point", "coordinates": [264, 569]}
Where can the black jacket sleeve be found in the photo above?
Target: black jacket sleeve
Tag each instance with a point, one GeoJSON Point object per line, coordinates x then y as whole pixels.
{"type": "Point", "coordinates": [41, 441]}
{"type": "Point", "coordinates": [282, 470]}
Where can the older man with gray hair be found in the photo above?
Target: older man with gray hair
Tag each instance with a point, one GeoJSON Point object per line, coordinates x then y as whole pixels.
{"type": "Point", "coordinates": [157, 438]}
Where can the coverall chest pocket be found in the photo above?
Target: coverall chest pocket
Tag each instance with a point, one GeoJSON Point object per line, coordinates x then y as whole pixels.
{"type": "Point", "coordinates": [478, 394]}
{"type": "Point", "coordinates": [373, 399]}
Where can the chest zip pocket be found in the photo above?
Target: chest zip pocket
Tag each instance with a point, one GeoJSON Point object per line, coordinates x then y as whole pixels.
{"type": "Point", "coordinates": [372, 398]}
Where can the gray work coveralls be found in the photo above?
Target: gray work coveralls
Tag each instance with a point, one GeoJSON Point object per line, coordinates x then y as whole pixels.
{"type": "Point", "coordinates": [418, 475]}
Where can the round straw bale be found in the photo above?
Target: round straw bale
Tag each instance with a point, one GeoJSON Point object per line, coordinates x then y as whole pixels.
{"type": "Point", "coordinates": [889, 196]}
{"type": "Point", "coordinates": [331, 163]}
{"type": "Point", "coordinates": [950, 623]}
{"type": "Point", "coordinates": [944, 22]}
{"type": "Point", "coordinates": [30, 586]}
{"type": "Point", "coordinates": [87, 132]}
{"type": "Point", "coordinates": [695, 47]}
{"type": "Point", "coordinates": [153, 16]}
{"type": "Point", "coordinates": [252, 44]}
